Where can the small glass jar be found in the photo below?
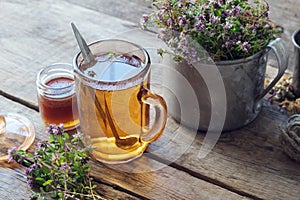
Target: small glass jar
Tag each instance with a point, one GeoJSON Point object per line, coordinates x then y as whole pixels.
{"type": "Point", "coordinates": [56, 95]}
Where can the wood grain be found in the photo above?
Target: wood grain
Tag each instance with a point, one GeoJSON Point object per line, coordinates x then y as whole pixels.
{"type": "Point", "coordinates": [123, 9]}
{"type": "Point", "coordinates": [12, 181]}
{"type": "Point", "coordinates": [39, 34]}
{"type": "Point", "coordinates": [247, 163]}
{"type": "Point", "coordinates": [164, 183]}
{"type": "Point", "coordinates": [114, 182]}
{"type": "Point", "coordinates": [285, 13]}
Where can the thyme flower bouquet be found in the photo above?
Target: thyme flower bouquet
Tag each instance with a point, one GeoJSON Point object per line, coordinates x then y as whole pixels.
{"type": "Point", "coordinates": [224, 29]}
{"type": "Point", "coordinates": [59, 168]}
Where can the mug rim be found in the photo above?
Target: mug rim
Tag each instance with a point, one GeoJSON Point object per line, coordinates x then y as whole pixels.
{"type": "Point", "coordinates": [114, 85]}
{"type": "Point", "coordinates": [297, 32]}
{"type": "Point", "coordinates": [56, 66]}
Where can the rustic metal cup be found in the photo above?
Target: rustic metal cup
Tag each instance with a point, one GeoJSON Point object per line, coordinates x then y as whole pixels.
{"type": "Point", "coordinates": [296, 73]}
{"type": "Point", "coordinates": [242, 79]}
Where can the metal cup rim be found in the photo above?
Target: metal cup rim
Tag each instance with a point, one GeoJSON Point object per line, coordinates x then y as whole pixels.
{"type": "Point", "coordinates": [296, 33]}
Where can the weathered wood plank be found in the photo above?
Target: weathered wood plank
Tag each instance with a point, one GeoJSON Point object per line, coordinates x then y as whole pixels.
{"type": "Point", "coordinates": [44, 27]}
{"type": "Point", "coordinates": [13, 184]}
{"type": "Point", "coordinates": [23, 28]}
{"type": "Point", "coordinates": [127, 10]}
{"type": "Point", "coordinates": [163, 183]}
{"type": "Point", "coordinates": [285, 13]}
{"type": "Point", "coordinates": [248, 160]}
{"type": "Point", "coordinates": [112, 181]}
{"type": "Point", "coordinates": [34, 34]}
{"type": "Point", "coordinates": [12, 181]}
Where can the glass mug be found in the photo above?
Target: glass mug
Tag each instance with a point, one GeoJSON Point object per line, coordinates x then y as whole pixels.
{"type": "Point", "coordinates": [115, 102]}
{"type": "Point", "coordinates": [56, 95]}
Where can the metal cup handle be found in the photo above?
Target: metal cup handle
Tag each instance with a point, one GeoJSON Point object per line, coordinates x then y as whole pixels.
{"type": "Point", "coordinates": [282, 57]}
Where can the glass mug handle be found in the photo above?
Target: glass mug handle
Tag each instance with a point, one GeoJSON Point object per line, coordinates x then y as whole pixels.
{"type": "Point", "coordinates": [153, 133]}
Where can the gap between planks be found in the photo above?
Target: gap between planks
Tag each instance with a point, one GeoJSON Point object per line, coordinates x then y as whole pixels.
{"type": "Point", "coordinates": [19, 100]}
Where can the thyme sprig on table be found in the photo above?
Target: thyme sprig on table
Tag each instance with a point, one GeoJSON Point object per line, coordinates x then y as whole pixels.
{"type": "Point", "coordinates": [58, 168]}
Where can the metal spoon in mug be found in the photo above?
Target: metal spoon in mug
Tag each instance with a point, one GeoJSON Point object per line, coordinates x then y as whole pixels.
{"type": "Point", "coordinates": [88, 57]}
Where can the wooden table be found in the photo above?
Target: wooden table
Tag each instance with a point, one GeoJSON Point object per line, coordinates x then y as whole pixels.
{"type": "Point", "coordinates": [244, 164]}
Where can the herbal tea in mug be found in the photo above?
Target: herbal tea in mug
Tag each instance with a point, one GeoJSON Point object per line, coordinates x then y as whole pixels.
{"type": "Point", "coordinates": [56, 95]}
{"type": "Point", "coordinates": [114, 101]}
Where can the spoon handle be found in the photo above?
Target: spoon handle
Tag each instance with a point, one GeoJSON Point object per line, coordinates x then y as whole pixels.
{"type": "Point", "coordinates": [85, 50]}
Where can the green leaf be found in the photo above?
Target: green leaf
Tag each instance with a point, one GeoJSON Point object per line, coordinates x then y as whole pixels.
{"type": "Point", "coordinates": [30, 155]}
{"type": "Point", "coordinates": [61, 141]}
{"type": "Point", "coordinates": [74, 140]}
{"type": "Point", "coordinates": [80, 154]}
{"type": "Point", "coordinates": [66, 136]}
{"type": "Point", "coordinates": [218, 12]}
{"type": "Point", "coordinates": [39, 179]}
{"type": "Point", "coordinates": [21, 152]}
{"type": "Point", "coordinates": [48, 182]}
{"type": "Point", "coordinates": [27, 163]}
{"type": "Point", "coordinates": [54, 194]}
{"type": "Point", "coordinates": [60, 195]}
{"type": "Point", "coordinates": [51, 139]}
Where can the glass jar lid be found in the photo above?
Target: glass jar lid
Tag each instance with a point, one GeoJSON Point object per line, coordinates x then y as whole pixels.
{"type": "Point", "coordinates": [15, 131]}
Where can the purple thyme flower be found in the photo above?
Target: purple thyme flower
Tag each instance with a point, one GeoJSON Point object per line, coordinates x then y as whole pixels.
{"type": "Point", "coordinates": [49, 129]}
{"type": "Point", "coordinates": [169, 22]}
{"type": "Point", "coordinates": [28, 170]}
{"type": "Point", "coordinates": [61, 127]}
{"type": "Point", "coordinates": [29, 182]}
{"type": "Point", "coordinates": [200, 22]}
{"type": "Point", "coordinates": [246, 46]}
{"type": "Point", "coordinates": [11, 153]}
{"type": "Point", "coordinates": [145, 18]}
{"type": "Point", "coordinates": [39, 144]}
{"type": "Point", "coordinates": [225, 13]}
{"type": "Point", "coordinates": [216, 3]}
{"type": "Point", "coordinates": [65, 168]}
{"type": "Point", "coordinates": [214, 20]}
{"type": "Point", "coordinates": [229, 44]}
{"type": "Point", "coordinates": [239, 36]}
{"type": "Point", "coordinates": [237, 10]}
{"type": "Point", "coordinates": [227, 25]}
{"type": "Point", "coordinates": [179, 4]}
{"type": "Point", "coordinates": [54, 129]}
{"type": "Point", "coordinates": [182, 20]}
